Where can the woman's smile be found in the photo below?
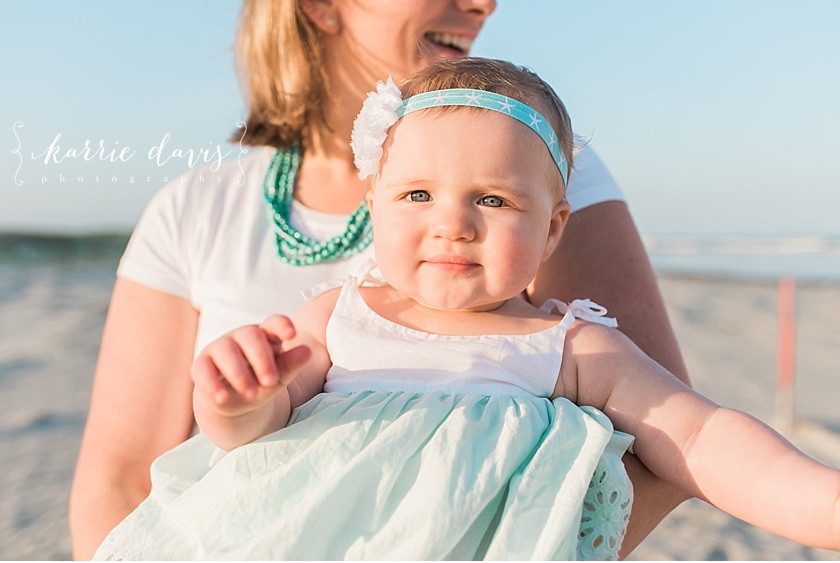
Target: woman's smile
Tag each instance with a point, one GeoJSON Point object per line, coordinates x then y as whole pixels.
{"type": "Point", "coordinates": [449, 45]}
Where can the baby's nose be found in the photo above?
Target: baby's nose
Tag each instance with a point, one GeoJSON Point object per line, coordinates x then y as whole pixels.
{"type": "Point", "coordinates": [453, 223]}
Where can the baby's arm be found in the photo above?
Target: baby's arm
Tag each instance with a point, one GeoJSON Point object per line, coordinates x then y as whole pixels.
{"type": "Point", "coordinates": [725, 457]}
{"type": "Point", "coordinates": [248, 381]}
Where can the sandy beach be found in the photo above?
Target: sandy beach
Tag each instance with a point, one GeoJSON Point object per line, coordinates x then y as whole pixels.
{"type": "Point", "coordinates": [51, 318]}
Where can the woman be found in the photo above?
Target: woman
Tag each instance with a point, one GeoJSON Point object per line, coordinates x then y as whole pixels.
{"type": "Point", "coordinates": [205, 258]}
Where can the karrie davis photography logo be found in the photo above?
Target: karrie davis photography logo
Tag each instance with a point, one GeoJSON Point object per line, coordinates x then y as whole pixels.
{"type": "Point", "coordinates": [100, 152]}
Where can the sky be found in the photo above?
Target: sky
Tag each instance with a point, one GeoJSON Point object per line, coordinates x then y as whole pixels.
{"type": "Point", "coordinates": [717, 117]}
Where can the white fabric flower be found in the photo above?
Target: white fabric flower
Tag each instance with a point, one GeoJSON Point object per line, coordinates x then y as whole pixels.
{"type": "Point", "coordinates": [378, 114]}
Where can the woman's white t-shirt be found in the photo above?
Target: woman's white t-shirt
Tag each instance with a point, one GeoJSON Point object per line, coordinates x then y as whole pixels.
{"type": "Point", "coordinates": [207, 237]}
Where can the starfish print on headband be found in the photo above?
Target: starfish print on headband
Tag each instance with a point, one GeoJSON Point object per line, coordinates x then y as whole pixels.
{"type": "Point", "coordinates": [385, 106]}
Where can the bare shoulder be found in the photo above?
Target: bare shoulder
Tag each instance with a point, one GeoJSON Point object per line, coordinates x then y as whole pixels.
{"type": "Point", "coordinates": [322, 302]}
{"type": "Point", "coordinates": [593, 359]}
{"type": "Point", "coordinates": [589, 337]}
{"type": "Point", "coordinates": [314, 315]}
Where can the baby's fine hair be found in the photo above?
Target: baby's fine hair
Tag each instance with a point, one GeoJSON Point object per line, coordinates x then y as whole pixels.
{"type": "Point", "coordinates": [501, 77]}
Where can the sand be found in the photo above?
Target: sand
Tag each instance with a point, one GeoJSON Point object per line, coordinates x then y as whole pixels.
{"type": "Point", "coordinates": [51, 318]}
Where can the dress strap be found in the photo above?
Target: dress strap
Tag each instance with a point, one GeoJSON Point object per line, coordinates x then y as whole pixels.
{"type": "Point", "coordinates": [583, 309]}
{"type": "Point", "coordinates": [367, 273]}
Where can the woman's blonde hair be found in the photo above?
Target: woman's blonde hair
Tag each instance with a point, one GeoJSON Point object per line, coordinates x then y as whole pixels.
{"type": "Point", "coordinates": [501, 77]}
{"type": "Point", "coordinates": [280, 67]}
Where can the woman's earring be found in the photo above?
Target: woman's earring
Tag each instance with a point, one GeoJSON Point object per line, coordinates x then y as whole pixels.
{"type": "Point", "coordinates": [331, 24]}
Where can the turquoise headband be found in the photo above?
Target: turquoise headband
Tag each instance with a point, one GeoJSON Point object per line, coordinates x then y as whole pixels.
{"type": "Point", "coordinates": [495, 102]}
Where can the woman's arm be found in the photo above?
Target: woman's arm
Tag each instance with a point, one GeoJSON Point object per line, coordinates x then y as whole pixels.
{"type": "Point", "coordinates": [139, 409]}
{"type": "Point", "coordinates": [601, 257]}
{"type": "Point", "coordinates": [725, 457]}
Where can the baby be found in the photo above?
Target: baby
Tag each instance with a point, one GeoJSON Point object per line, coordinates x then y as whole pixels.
{"type": "Point", "coordinates": [426, 410]}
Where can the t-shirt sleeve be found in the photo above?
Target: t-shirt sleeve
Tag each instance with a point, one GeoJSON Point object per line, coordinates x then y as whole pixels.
{"type": "Point", "coordinates": [156, 255]}
{"type": "Point", "coordinates": [591, 182]}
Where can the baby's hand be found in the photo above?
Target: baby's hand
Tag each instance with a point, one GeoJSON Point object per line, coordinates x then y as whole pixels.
{"type": "Point", "coordinates": [241, 370]}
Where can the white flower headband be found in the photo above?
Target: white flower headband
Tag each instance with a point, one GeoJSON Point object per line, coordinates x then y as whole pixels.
{"type": "Point", "coordinates": [385, 106]}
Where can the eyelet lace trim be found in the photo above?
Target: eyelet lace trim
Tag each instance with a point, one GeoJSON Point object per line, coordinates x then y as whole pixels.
{"type": "Point", "coordinates": [606, 510]}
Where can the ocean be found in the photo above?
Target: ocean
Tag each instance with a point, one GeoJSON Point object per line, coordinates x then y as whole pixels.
{"type": "Point", "coordinates": [804, 258]}
{"type": "Point", "coordinates": [20, 249]}
{"type": "Point", "coordinates": [811, 259]}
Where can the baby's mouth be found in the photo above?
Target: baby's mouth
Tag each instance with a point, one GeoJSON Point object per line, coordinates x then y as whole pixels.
{"type": "Point", "coordinates": [449, 40]}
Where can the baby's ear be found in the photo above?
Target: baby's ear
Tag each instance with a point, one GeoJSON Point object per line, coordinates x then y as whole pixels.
{"type": "Point", "coordinates": [369, 199]}
{"type": "Point", "coordinates": [555, 228]}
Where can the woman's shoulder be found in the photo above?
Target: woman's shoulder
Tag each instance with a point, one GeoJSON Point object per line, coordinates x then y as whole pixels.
{"type": "Point", "coordinates": [203, 208]}
{"type": "Point", "coordinates": [591, 181]}
{"type": "Point", "coordinates": [213, 192]}
{"type": "Point", "coordinates": [229, 177]}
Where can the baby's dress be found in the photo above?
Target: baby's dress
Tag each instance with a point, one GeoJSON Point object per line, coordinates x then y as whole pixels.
{"type": "Point", "coordinates": [422, 446]}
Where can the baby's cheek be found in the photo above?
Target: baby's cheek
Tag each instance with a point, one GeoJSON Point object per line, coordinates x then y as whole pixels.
{"type": "Point", "coordinates": [526, 254]}
{"type": "Point", "coordinates": [389, 258]}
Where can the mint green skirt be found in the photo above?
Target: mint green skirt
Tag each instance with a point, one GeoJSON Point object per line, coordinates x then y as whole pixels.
{"type": "Point", "coordinates": [393, 475]}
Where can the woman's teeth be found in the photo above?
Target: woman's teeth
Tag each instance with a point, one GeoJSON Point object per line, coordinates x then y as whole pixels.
{"type": "Point", "coordinates": [449, 40]}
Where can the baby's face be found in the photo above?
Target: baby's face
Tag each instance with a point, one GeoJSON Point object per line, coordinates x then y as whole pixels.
{"type": "Point", "coordinates": [465, 209]}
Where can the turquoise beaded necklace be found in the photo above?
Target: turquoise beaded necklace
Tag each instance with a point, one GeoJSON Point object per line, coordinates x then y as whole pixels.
{"type": "Point", "coordinates": [294, 247]}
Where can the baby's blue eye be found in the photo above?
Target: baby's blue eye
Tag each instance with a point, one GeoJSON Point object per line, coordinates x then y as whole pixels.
{"type": "Point", "coordinates": [491, 201]}
{"type": "Point", "coordinates": [419, 196]}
